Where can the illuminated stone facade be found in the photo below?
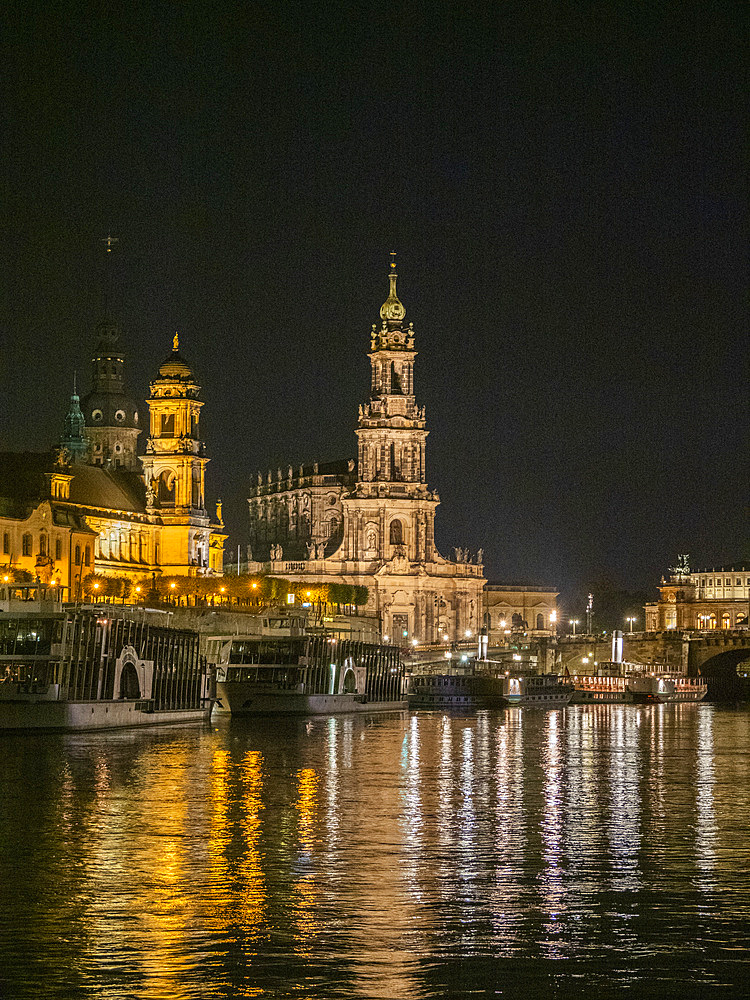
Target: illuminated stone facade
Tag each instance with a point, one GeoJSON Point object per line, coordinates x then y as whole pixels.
{"type": "Point", "coordinates": [43, 537]}
{"type": "Point", "coordinates": [717, 598]}
{"type": "Point", "coordinates": [522, 607]}
{"type": "Point", "coordinates": [97, 512]}
{"type": "Point", "coordinates": [372, 523]}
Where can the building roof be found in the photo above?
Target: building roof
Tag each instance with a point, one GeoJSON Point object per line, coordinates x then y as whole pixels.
{"type": "Point", "coordinates": [109, 489]}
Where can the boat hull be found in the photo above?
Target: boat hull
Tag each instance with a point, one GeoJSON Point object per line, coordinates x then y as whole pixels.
{"type": "Point", "coordinates": [61, 716]}
{"type": "Point", "coordinates": [244, 699]}
{"type": "Point", "coordinates": [446, 691]}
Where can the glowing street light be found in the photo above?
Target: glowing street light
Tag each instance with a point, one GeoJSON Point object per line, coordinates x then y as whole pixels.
{"type": "Point", "coordinates": [553, 617]}
{"type": "Point", "coordinates": [415, 642]}
{"type": "Point", "coordinates": [386, 638]}
{"type": "Point", "coordinates": [631, 620]}
{"type": "Point", "coordinates": [467, 633]}
{"type": "Point", "coordinates": [573, 622]}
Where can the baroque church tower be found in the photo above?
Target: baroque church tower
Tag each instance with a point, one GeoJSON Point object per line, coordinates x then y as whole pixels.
{"type": "Point", "coordinates": [174, 467]}
{"type": "Point", "coordinates": [375, 526]}
{"type": "Point", "coordinates": [391, 511]}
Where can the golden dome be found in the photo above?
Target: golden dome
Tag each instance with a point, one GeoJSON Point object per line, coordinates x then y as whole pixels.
{"type": "Point", "coordinates": [175, 365]}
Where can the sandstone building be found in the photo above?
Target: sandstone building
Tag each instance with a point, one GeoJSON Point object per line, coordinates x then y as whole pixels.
{"type": "Point", "coordinates": [371, 521]}
{"type": "Point", "coordinates": [99, 506]}
{"type": "Point", "coordinates": [717, 598]}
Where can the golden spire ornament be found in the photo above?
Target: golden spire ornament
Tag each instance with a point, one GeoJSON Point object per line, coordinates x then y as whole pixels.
{"type": "Point", "coordinates": [392, 309]}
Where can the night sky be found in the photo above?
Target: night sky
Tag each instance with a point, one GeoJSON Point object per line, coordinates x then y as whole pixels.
{"type": "Point", "coordinates": [563, 184]}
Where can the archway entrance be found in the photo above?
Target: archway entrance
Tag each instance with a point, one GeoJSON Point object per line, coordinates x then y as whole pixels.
{"type": "Point", "coordinates": [130, 689]}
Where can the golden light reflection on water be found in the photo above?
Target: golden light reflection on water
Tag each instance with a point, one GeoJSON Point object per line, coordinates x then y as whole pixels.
{"type": "Point", "coordinates": [254, 862]}
{"type": "Point", "coordinates": [252, 904]}
{"type": "Point", "coordinates": [551, 878]}
{"type": "Point", "coordinates": [305, 893]}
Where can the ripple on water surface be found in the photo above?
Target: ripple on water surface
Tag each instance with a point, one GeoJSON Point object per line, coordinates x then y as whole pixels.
{"type": "Point", "coordinates": [596, 850]}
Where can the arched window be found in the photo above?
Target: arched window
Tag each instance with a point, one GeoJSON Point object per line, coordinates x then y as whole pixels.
{"type": "Point", "coordinates": [397, 533]}
{"type": "Point", "coordinates": [26, 543]}
{"type": "Point", "coordinates": [165, 491]}
{"type": "Point", "coordinates": [6, 542]}
{"type": "Point", "coordinates": [58, 548]}
{"type": "Point", "coordinates": [42, 544]}
{"type": "Point", "coordinates": [540, 621]}
{"type": "Point", "coordinates": [87, 556]}
{"type": "Point", "coordinates": [725, 622]}
{"type": "Point", "coordinates": [78, 555]}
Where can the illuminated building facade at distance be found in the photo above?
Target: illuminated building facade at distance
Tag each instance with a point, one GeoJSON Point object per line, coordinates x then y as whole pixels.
{"type": "Point", "coordinates": [92, 509]}
{"type": "Point", "coordinates": [519, 607]}
{"type": "Point", "coordinates": [717, 598]}
{"type": "Point", "coordinates": [372, 522]}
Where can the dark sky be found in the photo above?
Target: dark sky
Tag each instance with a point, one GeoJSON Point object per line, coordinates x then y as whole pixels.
{"type": "Point", "coordinates": [563, 183]}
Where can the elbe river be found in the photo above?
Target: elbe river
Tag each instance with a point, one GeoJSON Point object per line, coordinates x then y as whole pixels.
{"type": "Point", "coordinates": [598, 851]}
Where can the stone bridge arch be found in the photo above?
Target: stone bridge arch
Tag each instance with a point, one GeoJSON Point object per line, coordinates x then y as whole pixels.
{"type": "Point", "coordinates": [720, 672]}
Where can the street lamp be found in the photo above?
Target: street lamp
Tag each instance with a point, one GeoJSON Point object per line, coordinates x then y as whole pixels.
{"type": "Point", "coordinates": [574, 622]}
{"type": "Point", "coordinates": [631, 620]}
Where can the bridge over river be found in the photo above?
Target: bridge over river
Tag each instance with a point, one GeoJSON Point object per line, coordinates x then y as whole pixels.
{"type": "Point", "coordinates": [713, 654]}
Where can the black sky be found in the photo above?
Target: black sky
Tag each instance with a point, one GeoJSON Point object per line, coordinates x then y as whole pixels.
{"type": "Point", "coordinates": [564, 186]}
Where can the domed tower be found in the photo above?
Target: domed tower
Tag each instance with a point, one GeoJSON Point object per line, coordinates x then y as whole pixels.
{"type": "Point", "coordinates": [110, 415]}
{"type": "Point", "coordinates": [174, 466]}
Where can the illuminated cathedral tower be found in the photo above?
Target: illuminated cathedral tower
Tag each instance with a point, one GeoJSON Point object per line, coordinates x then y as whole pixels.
{"type": "Point", "coordinates": [391, 510]}
{"type": "Point", "coordinates": [111, 416]}
{"type": "Point", "coordinates": [372, 523]}
{"type": "Point", "coordinates": [174, 468]}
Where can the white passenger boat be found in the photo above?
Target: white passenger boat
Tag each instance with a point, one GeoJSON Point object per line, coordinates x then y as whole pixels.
{"type": "Point", "coordinates": [99, 668]}
{"type": "Point", "coordinates": [537, 690]}
{"type": "Point", "coordinates": [313, 673]}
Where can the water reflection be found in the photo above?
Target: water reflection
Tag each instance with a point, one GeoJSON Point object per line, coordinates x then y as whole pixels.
{"type": "Point", "coordinates": [405, 856]}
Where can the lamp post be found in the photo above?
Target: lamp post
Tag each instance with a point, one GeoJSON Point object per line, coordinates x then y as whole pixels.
{"type": "Point", "coordinates": [631, 620]}
{"type": "Point", "coordinates": [574, 622]}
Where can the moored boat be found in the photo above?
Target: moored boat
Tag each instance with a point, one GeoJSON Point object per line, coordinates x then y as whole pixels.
{"type": "Point", "coordinates": [304, 674]}
{"type": "Point", "coordinates": [537, 690]}
{"type": "Point", "coordinates": [458, 688]}
{"type": "Point", "coordinates": [99, 668]}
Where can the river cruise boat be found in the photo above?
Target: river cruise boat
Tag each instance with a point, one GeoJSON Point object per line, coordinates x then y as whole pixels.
{"type": "Point", "coordinates": [626, 683]}
{"type": "Point", "coordinates": [99, 668]}
{"type": "Point", "coordinates": [598, 689]}
{"type": "Point", "coordinates": [457, 688]}
{"type": "Point", "coordinates": [313, 673]}
{"type": "Point", "coordinates": [537, 690]}
{"type": "Point", "coordinates": [664, 689]}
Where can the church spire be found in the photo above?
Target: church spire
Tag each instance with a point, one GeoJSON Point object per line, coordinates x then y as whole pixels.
{"type": "Point", "coordinates": [74, 435]}
{"type": "Point", "coordinates": [392, 336]}
{"type": "Point", "coordinates": [392, 311]}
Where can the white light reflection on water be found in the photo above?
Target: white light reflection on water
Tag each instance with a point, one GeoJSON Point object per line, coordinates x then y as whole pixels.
{"type": "Point", "coordinates": [706, 828]}
{"type": "Point", "coordinates": [249, 860]}
{"type": "Point", "coordinates": [551, 877]}
{"type": "Point", "coordinates": [509, 837]}
{"type": "Point", "coordinates": [623, 827]}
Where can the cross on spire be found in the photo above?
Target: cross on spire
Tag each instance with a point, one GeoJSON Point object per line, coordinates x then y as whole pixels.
{"type": "Point", "coordinates": [109, 242]}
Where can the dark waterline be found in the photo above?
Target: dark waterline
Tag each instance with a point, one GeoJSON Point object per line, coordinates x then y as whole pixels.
{"type": "Point", "coordinates": [595, 851]}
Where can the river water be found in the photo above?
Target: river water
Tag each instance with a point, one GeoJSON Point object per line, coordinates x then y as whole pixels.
{"type": "Point", "coordinates": [599, 851]}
